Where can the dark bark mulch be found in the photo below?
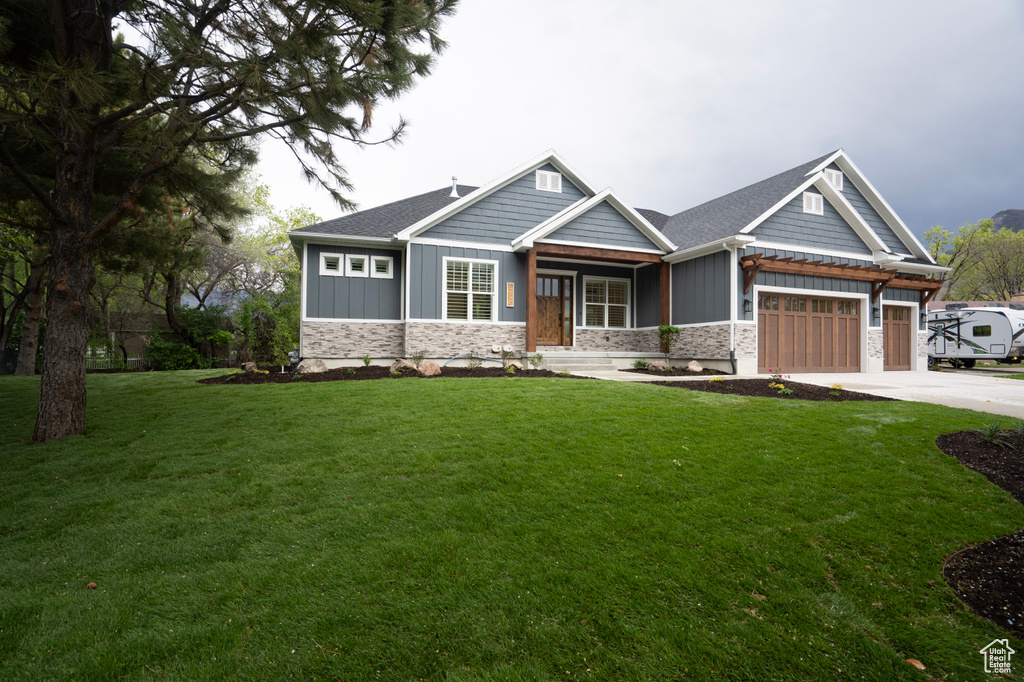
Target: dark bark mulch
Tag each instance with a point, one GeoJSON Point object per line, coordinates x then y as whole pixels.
{"type": "Point", "coordinates": [676, 372]}
{"type": "Point", "coordinates": [989, 577]}
{"type": "Point", "coordinates": [371, 373]}
{"type": "Point", "coordinates": [759, 388]}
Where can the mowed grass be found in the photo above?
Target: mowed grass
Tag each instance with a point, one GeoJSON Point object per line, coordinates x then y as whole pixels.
{"type": "Point", "coordinates": [492, 529]}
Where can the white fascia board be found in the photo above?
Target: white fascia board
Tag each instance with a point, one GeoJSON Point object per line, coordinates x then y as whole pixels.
{"type": "Point", "coordinates": [824, 164]}
{"type": "Point", "coordinates": [849, 214]}
{"type": "Point", "coordinates": [351, 240]}
{"type": "Point", "coordinates": [915, 268]}
{"type": "Point", "coordinates": [882, 207]}
{"type": "Point", "coordinates": [736, 241]}
{"type": "Point", "coordinates": [550, 156]}
{"type": "Point", "coordinates": [581, 207]}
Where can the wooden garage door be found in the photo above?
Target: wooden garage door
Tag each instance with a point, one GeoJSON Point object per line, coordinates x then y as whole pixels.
{"type": "Point", "coordinates": [897, 336]}
{"type": "Point", "coordinates": [807, 334]}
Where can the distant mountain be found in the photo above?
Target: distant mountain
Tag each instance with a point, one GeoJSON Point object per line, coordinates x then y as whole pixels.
{"type": "Point", "coordinates": [1012, 218]}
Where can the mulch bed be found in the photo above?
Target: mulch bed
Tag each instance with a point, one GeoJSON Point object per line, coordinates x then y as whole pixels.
{"type": "Point", "coordinates": [675, 372]}
{"type": "Point", "coordinates": [372, 373]}
{"type": "Point", "coordinates": [989, 577]}
{"type": "Point", "coordinates": [759, 388]}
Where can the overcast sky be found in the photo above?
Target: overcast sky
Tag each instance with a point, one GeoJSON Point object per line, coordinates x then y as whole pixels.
{"type": "Point", "coordinates": [674, 103]}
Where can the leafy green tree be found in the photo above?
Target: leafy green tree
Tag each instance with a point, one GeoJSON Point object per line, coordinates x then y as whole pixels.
{"type": "Point", "coordinates": [194, 81]}
{"type": "Point", "coordinates": [985, 264]}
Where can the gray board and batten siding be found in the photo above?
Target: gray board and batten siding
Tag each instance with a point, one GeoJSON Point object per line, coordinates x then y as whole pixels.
{"type": "Point", "coordinates": [426, 279]}
{"type": "Point", "coordinates": [648, 293]}
{"type": "Point", "coordinates": [507, 213]}
{"type": "Point", "coordinates": [790, 225]}
{"type": "Point", "coordinates": [592, 270]}
{"type": "Point", "coordinates": [339, 297]}
{"type": "Point", "coordinates": [603, 225]}
{"type": "Point", "coordinates": [700, 289]}
{"type": "Point", "coordinates": [871, 217]}
{"type": "Point", "coordinates": [783, 280]}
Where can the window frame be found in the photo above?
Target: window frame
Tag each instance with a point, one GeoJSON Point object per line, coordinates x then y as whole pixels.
{"type": "Point", "coordinates": [834, 178]}
{"type": "Point", "coordinates": [349, 257]}
{"type": "Point", "coordinates": [550, 176]}
{"type": "Point", "coordinates": [816, 206]}
{"type": "Point", "coordinates": [340, 272]}
{"type": "Point", "coordinates": [390, 260]}
{"type": "Point", "coordinates": [471, 294]}
{"type": "Point", "coordinates": [605, 305]}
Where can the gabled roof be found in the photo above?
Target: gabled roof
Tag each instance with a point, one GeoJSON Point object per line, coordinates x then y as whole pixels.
{"type": "Point", "coordinates": [384, 221]}
{"type": "Point", "coordinates": [728, 215]}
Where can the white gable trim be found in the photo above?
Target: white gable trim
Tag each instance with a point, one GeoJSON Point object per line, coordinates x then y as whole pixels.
{"type": "Point", "coordinates": [838, 202]}
{"type": "Point", "coordinates": [550, 156]}
{"type": "Point", "coordinates": [581, 207]}
{"type": "Point", "coordinates": [725, 244]}
{"type": "Point", "coordinates": [877, 202]}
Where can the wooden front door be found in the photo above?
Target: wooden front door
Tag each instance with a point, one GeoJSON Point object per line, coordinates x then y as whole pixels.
{"type": "Point", "coordinates": [897, 336]}
{"type": "Point", "coordinates": [554, 310]}
{"type": "Point", "coordinates": [807, 334]}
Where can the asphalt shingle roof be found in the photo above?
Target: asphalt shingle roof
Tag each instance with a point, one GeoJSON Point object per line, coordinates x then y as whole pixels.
{"type": "Point", "coordinates": [727, 215]}
{"type": "Point", "coordinates": [653, 217]}
{"type": "Point", "coordinates": [384, 221]}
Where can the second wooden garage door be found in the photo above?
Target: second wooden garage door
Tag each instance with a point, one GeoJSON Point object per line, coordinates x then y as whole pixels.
{"type": "Point", "coordinates": [807, 334]}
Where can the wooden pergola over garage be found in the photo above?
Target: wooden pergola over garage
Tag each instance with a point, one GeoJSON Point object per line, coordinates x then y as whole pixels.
{"type": "Point", "coordinates": [822, 332]}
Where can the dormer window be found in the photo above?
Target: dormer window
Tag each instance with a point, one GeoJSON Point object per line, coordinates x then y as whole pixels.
{"type": "Point", "coordinates": [834, 178]}
{"type": "Point", "coordinates": [548, 181]}
{"type": "Point", "coordinates": [813, 203]}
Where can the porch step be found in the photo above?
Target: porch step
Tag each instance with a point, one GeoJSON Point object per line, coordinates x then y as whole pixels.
{"type": "Point", "coordinates": [578, 364]}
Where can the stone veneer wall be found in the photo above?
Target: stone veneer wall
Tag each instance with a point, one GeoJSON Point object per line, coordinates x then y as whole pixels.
{"type": "Point", "coordinates": [352, 339]}
{"type": "Point", "coordinates": [617, 340]}
{"type": "Point", "coordinates": [448, 339]}
{"type": "Point", "coordinates": [922, 350]}
{"type": "Point", "coordinates": [746, 341]}
{"type": "Point", "coordinates": [876, 344]}
{"type": "Point", "coordinates": [707, 342]}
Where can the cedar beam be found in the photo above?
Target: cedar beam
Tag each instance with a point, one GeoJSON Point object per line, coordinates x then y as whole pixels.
{"type": "Point", "coordinates": [531, 301]}
{"type": "Point", "coordinates": [612, 255]}
{"type": "Point", "coordinates": [877, 287]}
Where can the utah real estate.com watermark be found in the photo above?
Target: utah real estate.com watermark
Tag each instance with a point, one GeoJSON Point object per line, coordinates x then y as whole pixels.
{"type": "Point", "coordinates": [997, 656]}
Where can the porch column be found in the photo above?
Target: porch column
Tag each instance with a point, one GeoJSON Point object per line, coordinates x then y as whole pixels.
{"type": "Point", "coordinates": [531, 301]}
{"type": "Point", "coordinates": [664, 294]}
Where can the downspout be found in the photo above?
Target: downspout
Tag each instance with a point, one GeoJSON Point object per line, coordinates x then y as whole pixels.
{"type": "Point", "coordinates": [733, 274]}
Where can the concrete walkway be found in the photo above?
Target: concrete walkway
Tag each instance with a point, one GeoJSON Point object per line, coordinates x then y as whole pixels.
{"type": "Point", "coordinates": [969, 389]}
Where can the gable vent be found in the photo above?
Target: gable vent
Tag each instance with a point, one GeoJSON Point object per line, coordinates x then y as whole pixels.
{"type": "Point", "coordinates": [813, 203]}
{"type": "Point", "coordinates": [548, 181]}
{"type": "Point", "coordinates": [834, 178]}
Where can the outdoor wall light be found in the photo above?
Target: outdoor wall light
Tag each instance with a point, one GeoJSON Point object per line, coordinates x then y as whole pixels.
{"type": "Point", "coordinates": [748, 305]}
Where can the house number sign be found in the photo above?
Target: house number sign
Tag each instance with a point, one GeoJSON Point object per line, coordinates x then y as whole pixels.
{"type": "Point", "coordinates": [510, 294]}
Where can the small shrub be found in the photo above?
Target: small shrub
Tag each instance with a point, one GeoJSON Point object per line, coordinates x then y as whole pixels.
{"type": "Point", "coordinates": [834, 394]}
{"type": "Point", "coordinates": [507, 356]}
{"type": "Point", "coordinates": [776, 384]}
{"type": "Point", "coordinates": [395, 374]}
{"type": "Point", "coordinates": [171, 355]}
{"type": "Point", "coordinates": [474, 363]}
{"type": "Point", "coordinates": [990, 434]}
{"type": "Point", "coordinates": [537, 360]}
{"type": "Point", "coordinates": [564, 373]}
{"type": "Point", "coordinates": [640, 363]}
{"type": "Point", "coordinates": [352, 370]}
{"type": "Point", "coordinates": [418, 358]}
{"type": "Point", "coordinates": [510, 370]}
{"type": "Point", "coordinates": [785, 391]}
{"type": "Point", "coordinates": [667, 336]}
{"type": "Point", "coordinates": [366, 360]}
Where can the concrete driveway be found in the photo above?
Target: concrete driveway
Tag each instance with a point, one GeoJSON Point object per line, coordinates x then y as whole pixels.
{"type": "Point", "coordinates": [977, 390]}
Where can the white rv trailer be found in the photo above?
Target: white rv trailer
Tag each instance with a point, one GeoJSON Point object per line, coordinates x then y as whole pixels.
{"type": "Point", "coordinates": [962, 335]}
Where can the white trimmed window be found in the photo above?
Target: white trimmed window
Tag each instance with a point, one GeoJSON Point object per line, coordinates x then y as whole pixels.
{"type": "Point", "coordinates": [834, 178]}
{"type": "Point", "coordinates": [606, 303]}
{"type": "Point", "coordinates": [382, 267]}
{"type": "Point", "coordinates": [814, 203]}
{"type": "Point", "coordinates": [548, 181]}
{"type": "Point", "coordinates": [357, 266]}
{"type": "Point", "coordinates": [331, 264]}
{"type": "Point", "coordinates": [469, 289]}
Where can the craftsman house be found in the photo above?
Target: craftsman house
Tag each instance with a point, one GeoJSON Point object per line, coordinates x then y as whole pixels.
{"type": "Point", "coordinates": [809, 270]}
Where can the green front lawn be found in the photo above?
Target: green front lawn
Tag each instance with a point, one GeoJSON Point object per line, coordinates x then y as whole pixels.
{"type": "Point", "coordinates": [484, 529]}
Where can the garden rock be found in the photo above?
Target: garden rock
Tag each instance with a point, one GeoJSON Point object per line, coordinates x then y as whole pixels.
{"type": "Point", "coordinates": [248, 366]}
{"type": "Point", "coordinates": [658, 366]}
{"type": "Point", "coordinates": [694, 366]}
{"type": "Point", "coordinates": [428, 369]}
{"type": "Point", "coordinates": [518, 365]}
{"type": "Point", "coordinates": [311, 366]}
{"type": "Point", "coordinates": [401, 364]}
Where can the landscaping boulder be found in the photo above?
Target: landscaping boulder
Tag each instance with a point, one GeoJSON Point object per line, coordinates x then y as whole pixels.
{"type": "Point", "coordinates": [311, 366]}
{"type": "Point", "coordinates": [248, 366]}
{"type": "Point", "coordinates": [428, 369]}
{"type": "Point", "coordinates": [401, 364]}
{"type": "Point", "coordinates": [518, 365]}
{"type": "Point", "coordinates": [694, 366]}
{"type": "Point", "coordinates": [658, 366]}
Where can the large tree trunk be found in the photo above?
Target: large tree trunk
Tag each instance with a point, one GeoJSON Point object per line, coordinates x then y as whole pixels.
{"type": "Point", "coordinates": [33, 316]}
